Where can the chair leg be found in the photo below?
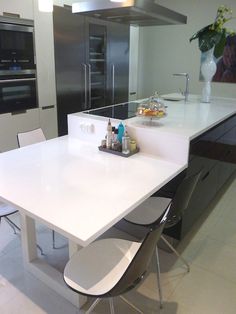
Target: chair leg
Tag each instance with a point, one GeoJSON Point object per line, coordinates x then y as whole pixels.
{"type": "Point", "coordinates": [159, 278]}
{"type": "Point", "coordinates": [14, 226]}
{"type": "Point", "coordinates": [131, 305]}
{"type": "Point", "coordinates": [111, 305]}
{"type": "Point", "coordinates": [174, 250]}
{"type": "Point", "coordinates": [93, 306]}
{"type": "Point", "coordinates": [53, 239]}
{"type": "Point", "coordinates": [40, 249]}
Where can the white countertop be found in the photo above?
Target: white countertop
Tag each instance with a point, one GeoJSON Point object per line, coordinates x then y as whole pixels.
{"type": "Point", "coordinates": [187, 120]}
{"type": "Point", "coordinates": [169, 137]}
{"type": "Point", "coordinates": [193, 118]}
{"type": "Point", "coordinates": [77, 190]}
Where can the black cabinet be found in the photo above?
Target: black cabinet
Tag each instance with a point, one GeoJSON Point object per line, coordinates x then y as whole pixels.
{"type": "Point", "coordinates": [214, 152]}
{"type": "Point", "coordinates": [91, 63]}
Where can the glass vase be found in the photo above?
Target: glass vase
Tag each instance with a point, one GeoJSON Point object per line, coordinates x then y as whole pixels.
{"type": "Point", "coordinates": [208, 70]}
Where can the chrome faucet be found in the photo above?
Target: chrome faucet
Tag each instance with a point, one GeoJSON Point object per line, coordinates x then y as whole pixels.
{"type": "Point", "coordinates": [186, 92]}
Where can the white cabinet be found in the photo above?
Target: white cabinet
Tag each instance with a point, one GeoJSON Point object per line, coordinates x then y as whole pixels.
{"type": "Point", "coordinates": [7, 133]}
{"type": "Point", "coordinates": [48, 121]}
{"type": "Point", "coordinates": [46, 115]}
{"type": "Point", "coordinates": [24, 8]}
{"type": "Point", "coordinates": [46, 85]}
{"type": "Point", "coordinates": [11, 124]}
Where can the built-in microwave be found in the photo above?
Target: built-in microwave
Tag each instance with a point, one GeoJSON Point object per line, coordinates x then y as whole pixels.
{"type": "Point", "coordinates": [16, 44]}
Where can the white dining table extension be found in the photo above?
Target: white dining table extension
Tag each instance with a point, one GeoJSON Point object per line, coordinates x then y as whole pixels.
{"type": "Point", "coordinates": [76, 190]}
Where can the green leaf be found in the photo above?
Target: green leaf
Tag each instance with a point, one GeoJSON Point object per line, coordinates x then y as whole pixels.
{"type": "Point", "coordinates": [219, 48]}
{"type": "Point", "coordinates": [199, 33]}
{"type": "Point", "coordinates": [208, 39]}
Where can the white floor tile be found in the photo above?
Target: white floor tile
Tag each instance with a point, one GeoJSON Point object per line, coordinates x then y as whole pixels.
{"type": "Point", "coordinates": [217, 258]}
{"type": "Point", "coordinates": [206, 293]}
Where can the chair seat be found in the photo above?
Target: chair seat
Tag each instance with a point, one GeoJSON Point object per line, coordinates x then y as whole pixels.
{"type": "Point", "coordinates": [30, 137]}
{"type": "Point", "coordinates": [149, 211]}
{"type": "Point", "coordinates": [95, 269]}
{"type": "Point", "coordinates": [6, 210]}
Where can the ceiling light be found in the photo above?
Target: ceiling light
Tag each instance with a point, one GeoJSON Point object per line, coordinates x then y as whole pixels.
{"type": "Point", "coordinates": [45, 5]}
{"type": "Point", "coordinates": [117, 0]}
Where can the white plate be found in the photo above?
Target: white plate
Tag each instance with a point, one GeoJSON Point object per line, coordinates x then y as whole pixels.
{"type": "Point", "coordinates": [173, 97]}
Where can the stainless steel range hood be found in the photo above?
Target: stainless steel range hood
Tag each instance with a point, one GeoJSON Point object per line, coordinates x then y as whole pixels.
{"type": "Point", "coordinates": [133, 12]}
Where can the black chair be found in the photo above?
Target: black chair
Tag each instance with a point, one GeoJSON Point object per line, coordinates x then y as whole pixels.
{"type": "Point", "coordinates": [111, 267]}
{"type": "Point", "coordinates": [149, 212]}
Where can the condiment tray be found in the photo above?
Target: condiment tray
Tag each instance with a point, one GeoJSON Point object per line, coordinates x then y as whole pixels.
{"type": "Point", "coordinates": [114, 152]}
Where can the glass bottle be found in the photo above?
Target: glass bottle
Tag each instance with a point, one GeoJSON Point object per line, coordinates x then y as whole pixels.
{"type": "Point", "coordinates": [109, 135]}
{"type": "Point", "coordinates": [126, 143]}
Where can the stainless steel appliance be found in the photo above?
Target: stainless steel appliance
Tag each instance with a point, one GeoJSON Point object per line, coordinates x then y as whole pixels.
{"type": "Point", "coordinates": [16, 44]}
{"type": "Point", "coordinates": [17, 65]}
{"type": "Point", "coordinates": [132, 12]}
{"type": "Point", "coordinates": [18, 91]}
{"type": "Point", "coordinates": [91, 62]}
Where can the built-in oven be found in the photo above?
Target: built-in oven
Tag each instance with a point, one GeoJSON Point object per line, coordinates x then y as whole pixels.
{"type": "Point", "coordinates": [16, 44]}
{"type": "Point", "coordinates": [18, 91]}
{"type": "Point", "coordinates": [17, 65]}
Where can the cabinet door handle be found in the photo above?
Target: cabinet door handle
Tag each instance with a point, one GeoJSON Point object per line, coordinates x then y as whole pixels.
{"type": "Point", "coordinates": [90, 86]}
{"type": "Point", "coordinates": [18, 112]}
{"type": "Point", "coordinates": [205, 176]}
{"type": "Point", "coordinates": [113, 84]}
{"type": "Point", "coordinates": [85, 86]}
{"type": "Point", "coordinates": [48, 107]}
{"type": "Point", "coordinates": [17, 80]}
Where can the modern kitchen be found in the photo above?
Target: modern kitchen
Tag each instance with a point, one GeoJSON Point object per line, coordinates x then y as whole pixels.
{"type": "Point", "coordinates": [102, 80]}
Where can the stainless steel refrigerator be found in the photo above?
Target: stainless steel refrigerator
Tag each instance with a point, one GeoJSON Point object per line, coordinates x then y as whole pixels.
{"type": "Point", "coordinates": [91, 63]}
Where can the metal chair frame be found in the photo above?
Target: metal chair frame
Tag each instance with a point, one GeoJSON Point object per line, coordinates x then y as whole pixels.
{"type": "Point", "coordinates": [15, 227]}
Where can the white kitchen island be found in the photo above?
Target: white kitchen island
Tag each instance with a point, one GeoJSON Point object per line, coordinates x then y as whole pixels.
{"type": "Point", "coordinates": [80, 192]}
{"type": "Point", "coordinates": [203, 135]}
{"type": "Point", "coordinates": [183, 123]}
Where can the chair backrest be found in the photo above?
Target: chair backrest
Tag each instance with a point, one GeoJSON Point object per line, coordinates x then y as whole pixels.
{"type": "Point", "coordinates": [30, 137]}
{"type": "Point", "coordinates": [139, 265]}
{"type": "Point", "coordinates": [182, 198]}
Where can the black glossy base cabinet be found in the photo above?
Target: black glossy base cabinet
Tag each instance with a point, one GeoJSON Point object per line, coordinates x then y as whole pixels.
{"type": "Point", "coordinates": [215, 153]}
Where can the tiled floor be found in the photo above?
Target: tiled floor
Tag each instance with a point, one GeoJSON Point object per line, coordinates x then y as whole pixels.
{"type": "Point", "coordinates": [209, 288]}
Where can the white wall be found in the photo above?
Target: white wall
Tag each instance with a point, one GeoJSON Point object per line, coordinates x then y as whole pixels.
{"type": "Point", "coordinates": [24, 8]}
{"type": "Point", "coordinates": [164, 50]}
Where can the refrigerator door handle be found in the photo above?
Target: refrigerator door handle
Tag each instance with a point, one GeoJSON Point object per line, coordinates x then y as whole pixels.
{"type": "Point", "coordinates": [90, 86]}
{"type": "Point", "coordinates": [113, 84]}
{"type": "Point", "coordinates": [85, 87]}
